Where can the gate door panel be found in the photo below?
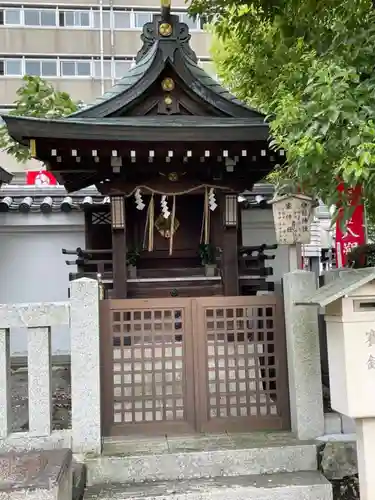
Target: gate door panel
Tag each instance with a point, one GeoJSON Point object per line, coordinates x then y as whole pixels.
{"type": "Point", "coordinates": [242, 370]}
{"type": "Point", "coordinates": [147, 370]}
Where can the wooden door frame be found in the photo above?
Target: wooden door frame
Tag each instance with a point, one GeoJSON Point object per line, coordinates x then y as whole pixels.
{"type": "Point", "coordinates": [195, 367]}
{"type": "Point", "coordinates": [238, 424]}
{"type": "Point", "coordinates": [188, 425]}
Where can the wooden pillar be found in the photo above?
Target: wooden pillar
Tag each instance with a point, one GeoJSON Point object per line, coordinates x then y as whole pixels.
{"type": "Point", "coordinates": [239, 226]}
{"type": "Point", "coordinates": [229, 257]}
{"type": "Point", "coordinates": [88, 228]}
{"type": "Point", "coordinates": [119, 249]}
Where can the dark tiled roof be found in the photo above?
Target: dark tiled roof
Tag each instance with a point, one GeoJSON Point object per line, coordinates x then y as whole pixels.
{"type": "Point", "coordinates": [5, 177]}
{"type": "Point", "coordinates": [203, 78]}
{"type": "Point", "coordinates": [14, 199]}
{"type": "Point", "coordinates": [48, 204]}
{"type": "Point", "coordinates": [129, 80]}
{"type": "Point", "coordinates": [111, 117]}
{"type": "Point", "coordinates": [181, 127]}
{"type": "Point", "coordinates": [158, 52]}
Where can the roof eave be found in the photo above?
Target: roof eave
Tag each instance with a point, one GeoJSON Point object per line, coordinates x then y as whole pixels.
{"type": "Point", "coordinates": [339, 288]}
{"type": "Point", "coordinates": [109, 104]}
{"type": "Point", "coordinates": [22, 129]}
{"type": "Point", "coordinates": [5, 176]}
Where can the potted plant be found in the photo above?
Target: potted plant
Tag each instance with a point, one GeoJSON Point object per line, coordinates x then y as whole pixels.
{"type": "Point", "coordinates": [293, 213]}
{"type": "Point", "coordinates": [207, 254]}
{"type": "Point", "coordinates": [132, 258]}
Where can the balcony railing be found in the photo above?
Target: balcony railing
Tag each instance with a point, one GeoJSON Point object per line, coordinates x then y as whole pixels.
{"type": "Point", "coordinates": [253, 272]}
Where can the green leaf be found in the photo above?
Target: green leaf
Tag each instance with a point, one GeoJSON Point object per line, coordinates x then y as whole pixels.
{"type": "Point", "coordinates": [309, 69]}
{"type": "Point", "coordinates": [36, 97]}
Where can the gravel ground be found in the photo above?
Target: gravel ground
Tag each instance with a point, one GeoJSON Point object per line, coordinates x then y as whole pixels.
{"type": "Point", "coordinates": [61, 397]}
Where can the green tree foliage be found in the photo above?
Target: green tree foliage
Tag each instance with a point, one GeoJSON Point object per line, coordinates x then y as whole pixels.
{"type": "Point", "coordinates": [309, 66]}
{"type": "Point", "coordinates": [37, 98]}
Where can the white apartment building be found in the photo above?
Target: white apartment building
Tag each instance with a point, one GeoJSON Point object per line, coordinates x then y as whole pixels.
{"type": "Point", "coordinates": [81, 46]}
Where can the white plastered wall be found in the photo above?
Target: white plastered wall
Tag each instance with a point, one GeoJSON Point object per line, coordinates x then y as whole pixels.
{"type": "Point", "coordinates": [32, 266]}
{"type": "Point", "coordinates": [258, 228]}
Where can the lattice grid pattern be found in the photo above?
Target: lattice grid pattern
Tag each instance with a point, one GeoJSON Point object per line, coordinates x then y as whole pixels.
{"type": "Point", "coordinates": [101, 218]}
{"type": "Point", "coordinates": [241, 361]}
{"type": "Point", "coordinates": [148, 365]}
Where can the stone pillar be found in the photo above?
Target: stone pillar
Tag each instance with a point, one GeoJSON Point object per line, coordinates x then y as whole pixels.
{"type": "Point", "coordinates": [347, 423]}
{"type": "Point", "coordinates": [5, 389]}
{"type": "Point", "coordinates": [315, 266]}
{"type": "Point", "coordinates": [294, 257]}
{"type": "Point", "coordinates": [40, 379]}
{"type": "Point", "coordinates": [302, 336]}
{"type": "Point", "coordinates": [366, 457]}
{"type": "Point", "coordinates": [85, 366]}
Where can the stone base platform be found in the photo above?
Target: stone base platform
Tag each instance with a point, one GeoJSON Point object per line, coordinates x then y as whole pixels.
{"type": "Point", "coordinates": [288, 486]}
{"type": "Point", "coordinates": [36, 475]}
{"type": "Point", "coordinates": [257, 466]}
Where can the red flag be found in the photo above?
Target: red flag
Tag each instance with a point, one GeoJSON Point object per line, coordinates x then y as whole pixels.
{"type": "Point", "coordinates": [354, 233]}
{"type": "Point", "coordinates": [40, 178]}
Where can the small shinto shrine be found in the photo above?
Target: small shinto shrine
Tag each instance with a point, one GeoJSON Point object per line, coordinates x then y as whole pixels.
{"type": "Point", "coordinates": [171, 150]}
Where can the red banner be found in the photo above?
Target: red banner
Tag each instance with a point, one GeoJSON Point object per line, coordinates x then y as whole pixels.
{"type": "Point", "coordinates": [40, 178]}
{"type": "Point", "coordinates": [354, 232]}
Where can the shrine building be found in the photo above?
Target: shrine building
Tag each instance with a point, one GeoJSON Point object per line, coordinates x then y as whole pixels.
{"type": "Point", "coordinates": [192, 333]}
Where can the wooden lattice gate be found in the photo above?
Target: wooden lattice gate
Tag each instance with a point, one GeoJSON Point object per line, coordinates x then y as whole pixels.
{"type": "Point", "coordinates": [183, 365]}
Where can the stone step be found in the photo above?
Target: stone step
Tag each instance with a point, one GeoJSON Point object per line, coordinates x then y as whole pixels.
{"type": "Point", "coordinates": [286, 486]}
{"type": "Point", "coordinates": [181, 464]}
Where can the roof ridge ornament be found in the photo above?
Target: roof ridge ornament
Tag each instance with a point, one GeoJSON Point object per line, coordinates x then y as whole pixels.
{"type": "Point", "coordinates": [166, 10]}
{"type": "Point", "coordinates": [165, 27]}
{"type": "Point", "coordinates": [168, 28]}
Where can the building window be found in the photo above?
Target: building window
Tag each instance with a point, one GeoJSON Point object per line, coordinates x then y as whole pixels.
{"type": "Point", "coordinates": [122, 20]}
{"type": "Point", "coordinates": [106, 69]}
{"type": "Point", "coordinates": [85, 18]}
{"type": "Point", "coordinates": [44, 17]}
{"type": "Point", "coordinates": [75, 68]}
{"type": "Point", "coordinates": [106, 19]}
{"type": "Point", "coordinates": [141, 18]}
{"type": "Point", "coordinates": [32, 68]}
{"type": "Point", "coordinates": [12, 17]}
{"type": "Point", "coordinates": [185, 18]}
{"type": "Point", "coordinates": [83, 68]}
{"type": "Point", "coordinates": [35, 67]}
{"type": "Point", "coordinates": [13, 67]}
{"type": "Point", "coordinates": [122, 67]}
{"type": "Point", "coordinates": [32, 17]}
{"type": "Point", "coordinates": [75, 18]}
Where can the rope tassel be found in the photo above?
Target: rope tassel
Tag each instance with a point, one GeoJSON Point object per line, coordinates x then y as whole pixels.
{"type": "Point", "coordinates": [151, 224]}
{"type": "Point", "coordinates": [205, 229]}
